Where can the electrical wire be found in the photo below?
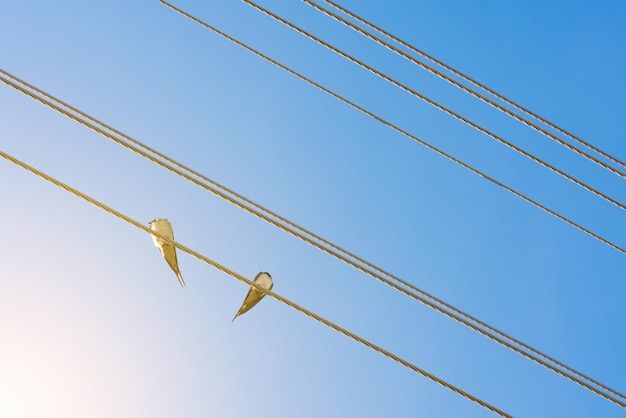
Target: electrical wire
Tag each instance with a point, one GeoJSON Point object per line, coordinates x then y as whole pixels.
{"type": "Point", "coordinates": [437, 105]}
{"type": "Point", "coordinates": [474, 82]}
{"type": "Point", "coordinates": [398, 280]}
{"type": "Point", "coordinates": [248, 282]}
{"type": "Point", "coordinates": [485, 131]}
{"type": "Point", "coordinates": [266, 215]}
{"type": "Point", "coordinates": [306, 235]}
{"type": "Point", "coordinates": [464, 88]}
{"type": "Point", "coordinates": [395, 127]}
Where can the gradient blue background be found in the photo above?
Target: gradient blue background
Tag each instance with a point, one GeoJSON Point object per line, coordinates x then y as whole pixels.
{"type": "Point", "coordinates": [94, 324]}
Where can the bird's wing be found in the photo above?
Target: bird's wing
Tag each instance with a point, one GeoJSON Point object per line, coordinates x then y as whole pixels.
{"type": "Point", "coordinates": [169, 253]}
{"type": "Point", "coordinates": [252, 298]}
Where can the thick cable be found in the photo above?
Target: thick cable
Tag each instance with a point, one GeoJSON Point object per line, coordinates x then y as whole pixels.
{"type": "Point", "coordinates": [268, 219]}
{"type": "Point", "coordinates": [258, 210]}
{"type": "Point", "coordinates": [476, 83]}
{"type": "Point", "coordinates": [465, 88]}
{"type": "Point", "coordinates": [437, 105]}
{"type": "Point", "coordinates": [248, 282]}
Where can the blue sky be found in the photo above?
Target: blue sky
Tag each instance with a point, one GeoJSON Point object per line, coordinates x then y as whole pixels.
{"type": "Point", "coordinates": [94, 323]}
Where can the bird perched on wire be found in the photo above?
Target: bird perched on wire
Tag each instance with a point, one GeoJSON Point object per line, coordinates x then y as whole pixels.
{"type": "Point", "coordinates": [168, 251]}
{"type": "Point", "coordinates": [254, 295]}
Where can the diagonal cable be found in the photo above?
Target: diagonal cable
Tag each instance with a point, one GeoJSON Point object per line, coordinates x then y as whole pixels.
{"type": "Point", "coordinates": [221, 193]}
{"type": "Point", "coordinates": [466, 89]}
{"type": "Point", "coordinates": [475, 83]}
{"type": "Point", "coordinates": [468, 167]}
{"type": "Point", "coordinates": [438, 105]}
{"type": "Point", "coordinates": [263, 213]}
{"type": "Point", "coordinates": [379, 278]}
{"type": "Point", "coordinates": [248, 282]}
{"type": "Point", "coordinates": [396, 128]}
{"type": "Point", "coordinates": [302, 233]}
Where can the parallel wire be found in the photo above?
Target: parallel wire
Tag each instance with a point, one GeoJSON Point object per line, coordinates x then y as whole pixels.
{"type": "Point", "coordinates": [297, 231]}
{"type": "Point", "coordinates": [466, 89]}
{"type": "Point", "coordinates": [437, 105]}
{"type": "Point", "coordinates": [243, 279]}
{"type": "Point", "coordinates": [395, 128]}
{"type": "Point", "coordinates": [468, 167]}
{"type": "Point", "coordinates": [294, 233]}
{"type": "Point", "coordinates": [476, 83]}
{"type": "Point", "coordinates": [497, 106]}
{"type": "Point", "coordinates": [373, 274]}
{"type": "Point", "coordinates": [492, 135]}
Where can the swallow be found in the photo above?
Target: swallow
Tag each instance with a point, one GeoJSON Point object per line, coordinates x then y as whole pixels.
{"type": "Point", "coordinates": [253, 297]}
{"type": "Point", "coordinates": [168, 251]}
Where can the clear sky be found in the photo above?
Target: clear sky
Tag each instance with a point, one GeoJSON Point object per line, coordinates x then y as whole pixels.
{"type": "Point", "coordinates": [93, 323]}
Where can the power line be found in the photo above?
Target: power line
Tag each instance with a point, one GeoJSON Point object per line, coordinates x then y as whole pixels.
{"type": "Point", "coordinates": [297, 231]}
{"type": "Point", "coordinates": [395, 127]}
{"type": "Point", "coordinates": [465, 88]}
{"type": "Point", "coordinates": [476, 83]}
{"type": "Point", "coordinates": [372, 273]}
{"type": "Point", "coordinates": [303, 234]}
{"type": "Point", "coordinates": [437, 105]}
{"type": "Point", "coordinates": [223, 192]}
{"type": "Point", "coordinates": [248, 282]}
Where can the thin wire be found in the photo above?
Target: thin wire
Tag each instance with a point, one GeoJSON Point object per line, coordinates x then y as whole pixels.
{"type": "Point", "coordinates": [497, 106]}
{"type": "Point", "coordinates": [371, 273]}
{"type": "Point", "coordinates": [476, 83]}
{"type": "Point", "coordinates": [437, 105]}
{"type": "Point", "coordinates": [395, 128]}
{"type": "Point", "coordinates": [297, 231]}
{"type": "Point", "coordinates": [499, 139]}
{"type": "Point", "coordinates": [222, 194]}
{"type": "Point", "coordinates": [442, 153]}
{"type": "Point", "coordinates": [465, 88]}
{"type": "Point", "coordinates": [241, 278]}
